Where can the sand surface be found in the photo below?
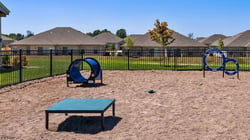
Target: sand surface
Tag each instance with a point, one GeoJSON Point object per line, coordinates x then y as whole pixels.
{"type": "Point", "coordinates": [185, 106]}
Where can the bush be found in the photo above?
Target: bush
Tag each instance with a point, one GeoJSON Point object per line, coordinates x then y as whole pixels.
{"type": "Point", "coordinates": [6, 59]}
{"type": "Point", "coordinates": [16, 61]}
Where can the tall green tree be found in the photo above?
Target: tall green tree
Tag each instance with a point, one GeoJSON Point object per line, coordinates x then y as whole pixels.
{"type": "Point", "coordinates": [121, 33]}
{"type": "Point", "coordinates": [220, 44]}
{"type": "Point", "coordinates": [129, 43]}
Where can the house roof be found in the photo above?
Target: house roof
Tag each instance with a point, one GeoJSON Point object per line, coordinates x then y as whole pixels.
{"type": "Point", "coordinates": [239, 40]}
{"type": "Point", "coordinates": [6, 40]}
{"type": "Point", "coordinates": [143, 40]}
{"type": "Point", "coordinates": [180, 41]}
{"type": "Point", "coordinates": [3, 10]}
{"type": "Point", "coordinates": [59, 36]}
{"type": "Point", "coordinates": [108, 37]}
{"type": "Point", "coordinates": [211, 39]}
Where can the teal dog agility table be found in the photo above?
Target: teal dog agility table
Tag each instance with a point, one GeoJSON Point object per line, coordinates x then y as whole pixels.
{"type": "Point", "coordinates": [81, 106]}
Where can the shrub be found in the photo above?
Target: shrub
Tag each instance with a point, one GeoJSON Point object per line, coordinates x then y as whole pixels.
{"type": "Point", "coordinates": [16, 61]}
{"type": "Point", "coordinates": [6, 59]}
{"type": "Point", "coordinates": [24, 60]}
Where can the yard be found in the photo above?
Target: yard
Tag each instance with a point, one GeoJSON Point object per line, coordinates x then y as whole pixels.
{"type": "Point", "coordinates": [184, 106]}
{"type": "Point", "coordinates": [44, 66]}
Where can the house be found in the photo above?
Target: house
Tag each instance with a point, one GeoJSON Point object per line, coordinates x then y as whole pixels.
{"type": "Point", "coordinates": [57, 39]}
{"type": "Point", "coordinates": [109, 38]}
{"type": "Point", "coordinates": [7, 41]}
{"type": "Point", "coordinates": [237, 45]}
{"type": "Point", "coordinates": [3, 13]}
{"type": "Point", "coordinates": [182, 46]}
{"type": "Point", "coordinates": [211, 39]}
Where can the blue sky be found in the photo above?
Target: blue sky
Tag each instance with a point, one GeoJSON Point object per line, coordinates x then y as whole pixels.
{"type": "Point", "coordinates": [200, 17]}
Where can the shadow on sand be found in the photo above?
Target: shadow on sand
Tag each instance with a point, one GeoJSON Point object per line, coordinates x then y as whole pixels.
{"type": "Point", "coordinates": [87, 124]}
{"type": "Point", "coordinates": [87, 85]}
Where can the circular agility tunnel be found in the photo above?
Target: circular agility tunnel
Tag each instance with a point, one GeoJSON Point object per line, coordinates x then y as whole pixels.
{"type": "Point", "coordinates": [74, 72]}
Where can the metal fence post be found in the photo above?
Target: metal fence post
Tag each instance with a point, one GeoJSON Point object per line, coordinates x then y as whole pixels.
{"type": "Point", "coordinates": [175, 67]}
{"type": "Point", "coordinates": [20, 66]}
{"type": "Point", "coordinates": [82, 54]}
{"type": "Point", "coordinates": [82, 58]}
{"type": "Point", "coordinates": [51, 62]}
{"type": "Point", "coordinates": [71, 55]}
{"type": "Point", "coordinates": [203, 66]}
{"type": "Point", "coordinates": [128, 59]}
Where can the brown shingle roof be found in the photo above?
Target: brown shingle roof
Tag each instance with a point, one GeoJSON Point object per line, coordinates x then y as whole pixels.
{"type": "Point", "coordinates": [180, 41]}
{"type": "Point", "coordinates": [108, 37]}
{"type": "Point", "coordinates": [143, 41]}
{"type": "Point", "coordinates": [6, 40]}
{"type": "Point", "coordinates": [59, 36]}
{"type": "Point", "coordinates": [211, 39]}
{"type": "Point", "coordinates": [239, 40]}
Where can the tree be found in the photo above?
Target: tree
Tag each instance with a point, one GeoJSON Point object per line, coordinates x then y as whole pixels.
{"type": "Point", "coordinates": [97, 32]}
{"type": "Point", "coordinates": [129, 43]}
{"type": "Point", "coordinates": [17, 36]}
{"type": "Point", "coordinates": [220, 44]}
{"type": "Point", "coordinates": [29, 34]}
{"type": "Point", "coordinates": [121, 33]}
{"type": "Point", "coordinates": [191, 35]}
{"type": "Point", "coordinates": [162, 35]}
{"type": "Point", "coordinates": [111, 47]}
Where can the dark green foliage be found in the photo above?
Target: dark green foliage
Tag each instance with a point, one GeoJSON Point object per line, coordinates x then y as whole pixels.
{"type": "Point", "coordinates": [129, 43]}
{"type": "Point", "coordinates": [6, 59]}
{"type": "Point", "coordinates": [121, 33]}
{"type": "Point", "coordinates": [19, 36]}
{"type": "Point", "coordinates": [111, 47]}
{"type": "Point", "coordinates": [191, 35]}
{"type": "Point", "coordinates": [29, 33]}
{"type": "Point", "coordinates": [15, 36]}
{"type": "Point", "coordinates": [220, 44]}
{"type": "Point", "coordinates": [97, 32]}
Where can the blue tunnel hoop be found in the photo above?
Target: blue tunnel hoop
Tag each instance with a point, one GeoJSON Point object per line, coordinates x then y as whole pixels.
{"type": "Point", "coordinates": [236, 64]}
{"type": "Point", "coordinates": [74, 75]}
{"type": "Point", "coordinates": [205, 58]}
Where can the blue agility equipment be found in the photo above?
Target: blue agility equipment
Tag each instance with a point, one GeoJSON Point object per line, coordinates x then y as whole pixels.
{"type": "Point", "coordinates": [74, 72]}
{"type": "Point", "coordinates": [208, 52]}
{"type": "Point", "coordinates": [222, 66]}
{"type": "Point", "coordinates": [236, 64]}
{"type": "Point", "coordinates": [81, 106]}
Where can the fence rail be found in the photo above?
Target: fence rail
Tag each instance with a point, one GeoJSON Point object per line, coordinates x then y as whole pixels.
{"type": "Point", "coordinates": [23, 65]}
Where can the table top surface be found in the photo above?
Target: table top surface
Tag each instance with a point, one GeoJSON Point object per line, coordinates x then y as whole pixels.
{"type": "Point", "coordinates": [81, 105]}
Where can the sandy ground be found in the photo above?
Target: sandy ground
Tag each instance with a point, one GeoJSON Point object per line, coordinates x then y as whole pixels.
{"type": "Point", "coordinates": [185, 106]}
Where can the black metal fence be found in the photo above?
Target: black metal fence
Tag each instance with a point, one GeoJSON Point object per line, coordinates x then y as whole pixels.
{"type": "Point", "coordinates": [23, 65]}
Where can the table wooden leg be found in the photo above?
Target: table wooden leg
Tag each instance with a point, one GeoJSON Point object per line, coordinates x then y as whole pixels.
{"type": "Point", "coordinates": [113, 109]}
{"type": "Point", "coordinates": [46, 120]}
{"type": "Point", "coordinates": [102, 120]}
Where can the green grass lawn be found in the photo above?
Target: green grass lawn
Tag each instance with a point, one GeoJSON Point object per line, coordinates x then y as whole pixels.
{"type": "Point", "coordinates": [39, 66]}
